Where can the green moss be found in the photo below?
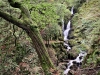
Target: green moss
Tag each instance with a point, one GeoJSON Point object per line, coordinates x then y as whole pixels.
{"type": "Point", "coordinates": [73, 42]}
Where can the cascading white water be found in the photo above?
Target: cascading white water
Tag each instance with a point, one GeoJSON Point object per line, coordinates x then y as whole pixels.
{"type": "Point", "coordinates": [68, 69]}
{"type": "Point", "coordinates": [78, 60]}
{"type": "Point", "coordinates": [81, 55]}
{"type": "Point", "coordinates": [68, 47]}
{"type": "Point", "coordinates": [66, 33]}
{"type": "Point", "coordinates": [72, 10]}
{"type": "Point", "coordinates": [68, 25]}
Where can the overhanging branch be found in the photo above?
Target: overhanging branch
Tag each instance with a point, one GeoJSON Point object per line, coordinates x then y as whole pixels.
{"type": "Point", "coordinates": [24, 9]}
{"type": "Point", "coordinates": [13, 20]}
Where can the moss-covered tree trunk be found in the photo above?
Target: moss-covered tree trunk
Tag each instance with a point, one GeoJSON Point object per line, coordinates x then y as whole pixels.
{"type": "Point", "coordinates": [41, 50]}
{"type": "Point", "coordinates": [32, 31]}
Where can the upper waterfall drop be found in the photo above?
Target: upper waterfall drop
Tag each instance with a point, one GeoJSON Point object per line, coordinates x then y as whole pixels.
{"type": "Point", "coordinates": [66, 31]}
{"type": "Point", "coordinates": [72, 10]}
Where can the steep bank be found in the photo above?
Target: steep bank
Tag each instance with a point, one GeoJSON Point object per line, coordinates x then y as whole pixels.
{"type": "Point", "coordinates": [86, 33]}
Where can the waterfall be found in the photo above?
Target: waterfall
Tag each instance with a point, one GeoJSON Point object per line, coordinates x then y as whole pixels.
{"type": "Point", "coordinates": [81, 55]}
{"type": "Point", "coordinates": [67, 45]}
{"type": "Point", "coordinates": [69, 65]}
{"type": "Point", "coordinates": [68, 25]}
{"type": "Point", "coordinates": [66, 33]}
{"type": "Point", "coordinates": [72, 12]}
{"type": "Point", "coordinates": [78, 60]}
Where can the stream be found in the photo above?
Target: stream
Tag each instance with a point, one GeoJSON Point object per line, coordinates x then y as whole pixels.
{"type": "Point", "coordinates": [81, 55]}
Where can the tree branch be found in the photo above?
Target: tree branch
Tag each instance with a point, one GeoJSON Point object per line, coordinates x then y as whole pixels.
{"type": "Point", "coordinates": [13, 20]}
{"type": "Point", "coordinates": [25, 11]}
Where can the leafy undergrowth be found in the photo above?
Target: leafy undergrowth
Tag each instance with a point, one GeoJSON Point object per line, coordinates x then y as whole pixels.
{"type": "Point", "coordinates": [17, 58]}
{"type": "Point", "coordinates": [86, 25]}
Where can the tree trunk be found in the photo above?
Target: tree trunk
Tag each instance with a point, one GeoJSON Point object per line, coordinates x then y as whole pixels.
{"type": "Point", "coordinates": [33, 33]}
{"type": "Point", "coordinates": [41, 50]}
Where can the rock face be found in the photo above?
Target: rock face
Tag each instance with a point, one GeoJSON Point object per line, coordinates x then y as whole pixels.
{"type": "Point", "coordinates": [86, 31]}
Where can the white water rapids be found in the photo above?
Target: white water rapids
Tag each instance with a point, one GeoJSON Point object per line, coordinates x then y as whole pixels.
{"type": "Point", "coordinates": [78, 60]}
{"type": "Point", "coordinates": [81, 55]}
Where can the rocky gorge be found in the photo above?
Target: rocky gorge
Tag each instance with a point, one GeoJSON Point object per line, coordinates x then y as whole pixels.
{"type": "Point", "coordinates": [84, 36]}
